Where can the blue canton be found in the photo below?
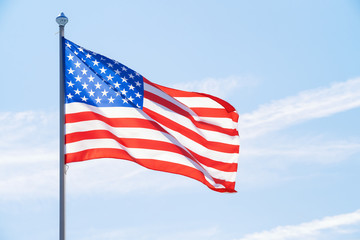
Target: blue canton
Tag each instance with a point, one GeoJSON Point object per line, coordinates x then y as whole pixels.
{"type": "Point", "coordinates": [99, 81]}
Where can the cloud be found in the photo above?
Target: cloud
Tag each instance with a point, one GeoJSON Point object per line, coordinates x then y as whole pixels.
{"type": "Point", "coordinates": [22, 127]}
{"type": "Point", "coordinates": [306, 105]}
{"type": "Point", "coordinates": [311, 230]}
{"type": "Point", "coordinates": [29, 148]}
{"type": "Point", "coordinates": [311, 149]}
{"type": "Point", "coordinates": [154, 233]}
{"type": "Point", "coordinates": [29, 154]}
{"type": "Point", "coordinates": [220, 87]}
{"type": "Point", "coordinates": [106, 175]}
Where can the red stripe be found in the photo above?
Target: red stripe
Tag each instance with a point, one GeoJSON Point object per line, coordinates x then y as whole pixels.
{"type": "Point", "coordinates": [213, 112]}
{"type": "Point", "coordinates": [178, 110]}
{"type": "Point", "coordinates": [148, 163]}
{"type": "Point", "coordinates": [150, 144]}
{"type": "Point", "coordinates": [179, 93]}
{"type": "Point", "coordinates": [216, 146]}
{"type": "Point", "coordinates": [114, 122]}
{"type": "Point", "coordinates": [127, 142]}
{"type": "Point", "coordinates": [221, 166]}
{"type": "Point", "coordinates": [144, 123]}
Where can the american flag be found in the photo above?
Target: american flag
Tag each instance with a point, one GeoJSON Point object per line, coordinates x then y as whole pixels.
{"type": "Point", "coordinates": [113, 112]}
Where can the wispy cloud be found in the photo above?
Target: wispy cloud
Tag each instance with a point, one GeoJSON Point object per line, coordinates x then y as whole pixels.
{"type": "Point", "coordinates": [316, 229]}
{"type": "Point", "coordinates": [28, 161]}
{"type": "Point", "coordinates": [154, 233]}
{"type": "Point", "coordinates": [29, 147]}
{"type": "Point", "coordinates": [306, 105]}
{"type": "Point", "coordinates": [273, 160]}
{"type": "Point", "coordinates": [220, 87]}
{"type": "Point", "coordinates": [106, 175]}
{"type": "Point", "coordinates": [311, 149]}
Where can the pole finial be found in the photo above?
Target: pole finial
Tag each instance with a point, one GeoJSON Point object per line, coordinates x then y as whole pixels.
{"type": "Point", "coordinates": [62, 19]}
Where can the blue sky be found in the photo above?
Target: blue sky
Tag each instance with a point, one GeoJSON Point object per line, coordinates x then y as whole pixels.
{"type": "Point", "coordinates": [290, 68]}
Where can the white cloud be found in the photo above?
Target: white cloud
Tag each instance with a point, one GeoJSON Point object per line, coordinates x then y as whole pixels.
{"type": "Point", "coordinates": [306, 105]}
{"type": "Point", "coordinates": [29, 154]}
{"type": "Point", "coordinates": [154, 233]}
{"type": "Point", "coordinates": [119, 177]}
{"type": "Point", "coordinates": [220, 87]}
{"type": "Point", "coordinates": [315, 229]}
{"type": "Point", "coordinates": [312, 149]}
{"type": "Point", "coordinates": [29, 148]}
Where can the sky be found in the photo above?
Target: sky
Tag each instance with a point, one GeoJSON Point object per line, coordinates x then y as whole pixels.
{"type": "Point", "coordinates": [290, 68]}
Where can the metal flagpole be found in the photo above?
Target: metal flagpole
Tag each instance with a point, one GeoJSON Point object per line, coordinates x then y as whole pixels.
{"type": "Point", "coordinates": [62, 20]}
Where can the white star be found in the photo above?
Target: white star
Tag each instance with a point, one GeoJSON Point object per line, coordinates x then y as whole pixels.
{"type": "Point", "coordinates": [125, 100]}
{"type": "Point", "coordinates": [91, 78]}
{"type": "Point", "coordinates": [97, 85]}
{"type": "Point", "coordinates": [78, 78]}
{"type": "Point", "coordinates": [131, 87]}
{"type": "Point", "coordinates": [71, 71]}
{"type": "Point", "coordinates": [104, 93]}
{"type": "Point", "coordinates": [116, 62]}
{"type": "Point", "coordinates": [85, 86]}
{"type": "Point", "coordinates": [117, 72]}
{"type": "Point", "coordinates": [131, 99]}
{"type": "Point", "coordinates": [138, 83]}
{"type": "Point", "coordinates": [124, 79]}
{"type": "Point", "coordinates": [76, 52]}
{"type": "Point", "coordinates": [138, 105]}
{"type": "Point", "coordinates": [70, 96]}
{"type": "Point", "coordinates": [77, 64]}
{"type": "Point", "coordinates": [124, 91]}
{"type": "Point", "coordinates": [98, 100]}
{"type": "Point", "coordinates": [70, 84]}
{"type": "Point", "coordinates": [137, 74]}
{"type": "Point", "coordinates": [102, 59]}
{"type": "Point", "coordinates": [68, 45]}
{"type": "Point", "coordinates": [91, 93]}
{"type": "Point", "coordinates": [124, 68]}
{"type": "Point", "coordinates": [117, 85]}
{"type": "Point", "coordinates": [138, 95]}
{"type": "Point", "coordinates": [110, 65]}
{"type": "Point", "coordinates": [80, 49]}
{"type": "Point", "coordinates": [77, 91]}
{"type": "Point", "coordinates": [103, 70]}
{"type": "Point", "coordinates": [71, 57]}
{"type": "Point", "coordinates": [84, 71]}
{"type": "Point", "coordinates": [88, 56]}
{"type": "Point", "coordinates": [96, 63]}
{"type": "Point", "coordinates": [84, 98]}
{"type": "Point", "coordinates": [111, 100]}
{"type": "Point", "coordinates": [110, 77]}
{"type": "Point", "coordinates": [131, 76]}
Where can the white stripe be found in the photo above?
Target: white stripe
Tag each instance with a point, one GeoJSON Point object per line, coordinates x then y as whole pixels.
{"type": "Point", "coordinates": [111, 112]}
{"type": "Point", "coordinates": [227, 176]}
{"type": "Point", "coordinates": [199, 102]}
{"type": "Point", "coordinates": [220, 122]}
{"type": "Point", "coordinates": [150, 134]}
{"type": "Point", "coordinates": [122, 132]}
{"type": "Point", "coordinates": [140, 154]}
{"type": "Point", "coordinates": [168, 98]}
{"type": "Point", "coordinates": [120, 112]}
{"type": "Point", "coordinates": [203, 151]}
{"type": "Point", "coordinates": [166, 112]}
{"type": "Point", "coordinates": [207, 134]}
{"type": "Point", "coordinates": [186, 103]}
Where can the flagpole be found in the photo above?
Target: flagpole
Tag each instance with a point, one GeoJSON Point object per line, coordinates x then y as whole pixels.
{"type": "Point", "coordinates": [62, 20]}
